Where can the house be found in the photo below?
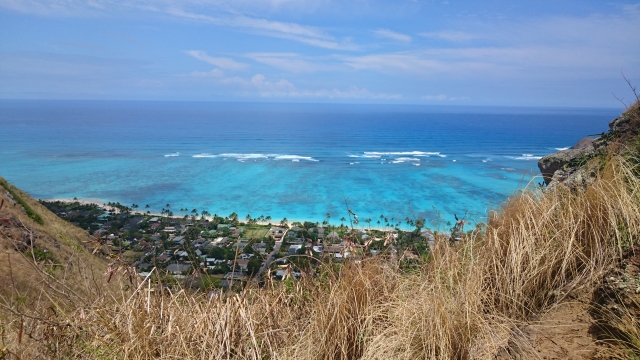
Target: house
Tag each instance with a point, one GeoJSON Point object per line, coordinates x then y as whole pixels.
{"type": "Point", "coordinates": [333, 250]}
{"type": "Point", "coordinates": [179, 240]}
{"type": "Point", "coordinates": [214, 261]}
{"type": "Point", "coordinates": [260, 247]}
{"type": "Point", "coordinates": [431, 238]}
{"type": "Point", "coordinates": [240, 245]}
{"type": "Point", "coordinates": [333, 236]}
{"type": "Point", "coordinates": [242, 264]}
{"type": "Point", "coordinates": [104, 217]}
{"type": "Point", "coordinates": [178, 268]}
{"type": "Point", "coordinates": [317, 249]}
{"type": "Point", "coordinates": [280, 273]}
{"type": "Point", "coordinates": [144, 266]}
{"type": "Point", "coordinates": [154, 220]}
{"type": "Point", "coordinates": [340, 256]}
{"type": "Point", "coordinates": [131, 224]}
{"type": "Point", "coordinates": [293, 249]}
{"type": "Point", "coordinates": [169, 229]}
{"type": "Point", "coordinates": [221, 241]}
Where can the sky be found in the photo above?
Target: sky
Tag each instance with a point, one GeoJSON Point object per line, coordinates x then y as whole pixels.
{"type": "Point", "coordinates": [567, 53]}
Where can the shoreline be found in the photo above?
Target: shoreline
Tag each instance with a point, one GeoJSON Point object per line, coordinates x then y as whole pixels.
{"type": "Point", "coordinates": [102, 203]}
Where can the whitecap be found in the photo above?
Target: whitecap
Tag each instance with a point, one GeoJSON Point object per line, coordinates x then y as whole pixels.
{"type": "Point", "coordinates": [562, 148]}
{"type": "Point", "coordinates": [525, 157]}
{"type": "Point", "coordinates": [254, 157]}
{"type": "Point", "coordinates": [404, 153]}
{"type": "Point", "coordinates": [244, 156]}
{"type": "Point", "coordinates": [296, 158]}
{"type": "Point", "coordinates": [407, 159]}
{"type": "Point", "coordinates": [173, 154]}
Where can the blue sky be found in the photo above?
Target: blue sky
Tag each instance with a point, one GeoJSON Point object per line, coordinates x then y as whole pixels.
{"type": "Point", "coordinates": [498, 52]}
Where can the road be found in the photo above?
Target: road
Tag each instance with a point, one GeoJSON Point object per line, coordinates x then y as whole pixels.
{"type": "Point", "coordinates": [270, 257]}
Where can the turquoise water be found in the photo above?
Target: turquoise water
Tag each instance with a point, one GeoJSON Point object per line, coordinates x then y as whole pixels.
{"type": "Point", "coordinates": [298, 161]}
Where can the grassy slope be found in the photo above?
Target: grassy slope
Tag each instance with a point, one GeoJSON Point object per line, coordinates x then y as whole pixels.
{"type": "Point", "coordinates": [471, 300]}
{"type": "Point", "coordinates": [58, 272]}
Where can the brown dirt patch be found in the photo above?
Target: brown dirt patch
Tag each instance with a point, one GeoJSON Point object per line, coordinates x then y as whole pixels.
{"type": "Point", "coordinates": [564, 331]}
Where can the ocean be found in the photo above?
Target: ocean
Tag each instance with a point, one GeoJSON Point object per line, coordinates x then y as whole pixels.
{"type": "Point", "coordinates": [299, 161]}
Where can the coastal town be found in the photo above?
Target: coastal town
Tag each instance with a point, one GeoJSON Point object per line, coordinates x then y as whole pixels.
{"type": "Point", "coordinates": [204, 250]}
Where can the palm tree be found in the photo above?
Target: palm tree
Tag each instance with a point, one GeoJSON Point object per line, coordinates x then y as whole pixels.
{"type": "Point", "coordinates": [248, 218]}
{"type": "Point", "coordinates": [194, 212]}
{"type": "Point", "coordinates": [342, 219]}
{"type": "Point", "coordinates": [284, 222]}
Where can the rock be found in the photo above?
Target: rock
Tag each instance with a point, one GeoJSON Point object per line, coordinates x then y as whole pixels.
{"type": "Point", "coordinates": [549, 164]}
{"type": "Point", "coordinates": [583, 143]}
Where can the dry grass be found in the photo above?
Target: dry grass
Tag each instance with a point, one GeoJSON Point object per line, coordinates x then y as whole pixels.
{"type": "Point", "coordinates": [467, 302]}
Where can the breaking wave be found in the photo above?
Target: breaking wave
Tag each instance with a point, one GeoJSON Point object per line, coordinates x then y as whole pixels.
{"type": "Point", "coordinates": [525, 157]}
{"type": "Point", "coordinates": [245, 157]}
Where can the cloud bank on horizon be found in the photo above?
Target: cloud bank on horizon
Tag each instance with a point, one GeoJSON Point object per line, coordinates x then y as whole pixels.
{"type": "Point", "coordinates": [498, 52]}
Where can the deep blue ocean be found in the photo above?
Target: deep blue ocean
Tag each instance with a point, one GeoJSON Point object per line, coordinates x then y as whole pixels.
{"type": "Point", "coordinates": [299, 161]}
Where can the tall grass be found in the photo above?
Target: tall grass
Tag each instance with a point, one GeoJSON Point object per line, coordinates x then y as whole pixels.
{"type": "Point", "coordinates": [467, 302]}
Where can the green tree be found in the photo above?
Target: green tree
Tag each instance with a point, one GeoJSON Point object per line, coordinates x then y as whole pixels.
{"type": "Point", "coordinates": [254, 266]}
{"type": "Point", "coordinates": [217, 252]}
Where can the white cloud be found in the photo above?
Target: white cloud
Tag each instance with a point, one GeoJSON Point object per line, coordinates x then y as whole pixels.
{"type": "Point", "coordinates": [286, 30]}
{"type": "Point", "coordinates": [213, 73]}
{"type": "Point", "coordinates": [225, 15]}
{"type": "Point", "coordinates": [386, 33]}
{"type": "Point", "coordinates": [260, 85]}
{"type": "Point", "coordinates": [448, 35]}
{"type": "Point", "coordinates": [221, 62]}
{"type": "Point", "coordinates": [443, 97]}
{"type": "Point", "coordinates": [291, 62]}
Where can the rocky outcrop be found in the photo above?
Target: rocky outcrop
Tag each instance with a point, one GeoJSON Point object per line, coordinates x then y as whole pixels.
{"type": "Point", "coordinates": [568, 166]}
{"type": "Point", "coordinates": [562, 165]}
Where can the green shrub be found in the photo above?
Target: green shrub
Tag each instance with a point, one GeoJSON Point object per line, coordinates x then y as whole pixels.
{"type": "Point", "coordinates": [30, 213]}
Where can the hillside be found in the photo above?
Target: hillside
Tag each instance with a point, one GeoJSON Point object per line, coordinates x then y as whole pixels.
{"type": "Point", "coordinates": [47, 264]}
{"type": "Point", "coordinates": [554, 273]}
